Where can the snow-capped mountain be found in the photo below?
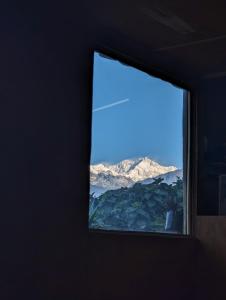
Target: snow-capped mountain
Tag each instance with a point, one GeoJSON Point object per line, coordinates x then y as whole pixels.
{"type": "Point", "coordinates": [168, 178]}
{"type": "Point", "coordinates": [106, 176]}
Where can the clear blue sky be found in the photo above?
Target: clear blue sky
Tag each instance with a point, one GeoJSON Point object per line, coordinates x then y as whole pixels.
{"type": "Point", "coordinates": [149, 123]}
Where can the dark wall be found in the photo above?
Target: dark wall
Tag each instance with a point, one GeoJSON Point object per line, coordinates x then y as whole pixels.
{"type": "Point", "coordinates": [210, 226]}
{"type": "Point", "coordinates": [45, 104]}
{"type": "Point", "coordinates": [211, 257]}
{"type": "Point", "coordinates": [212, 144]}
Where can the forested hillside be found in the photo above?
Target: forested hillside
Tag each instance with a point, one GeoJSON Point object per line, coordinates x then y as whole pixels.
{"type": "Point", "coordinates": [138, 208]}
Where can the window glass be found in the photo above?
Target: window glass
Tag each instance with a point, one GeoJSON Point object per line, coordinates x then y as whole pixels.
{"type": "Point", "coordinates": [138, 152]}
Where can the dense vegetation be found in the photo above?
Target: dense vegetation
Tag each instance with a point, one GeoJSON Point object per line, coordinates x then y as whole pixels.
{"type": "Point", "coordinates": [138, 208]}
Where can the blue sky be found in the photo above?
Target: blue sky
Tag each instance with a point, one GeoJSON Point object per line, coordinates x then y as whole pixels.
{"type": "Point", "coordinates": [145, 118]}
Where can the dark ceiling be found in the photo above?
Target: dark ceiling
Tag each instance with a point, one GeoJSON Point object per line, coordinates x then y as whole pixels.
{"type": "Point", "coordinates": [186, 39]}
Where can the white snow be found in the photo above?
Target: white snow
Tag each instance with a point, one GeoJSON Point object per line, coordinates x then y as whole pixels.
{"type": "Point", "coordinates": [126, 173]}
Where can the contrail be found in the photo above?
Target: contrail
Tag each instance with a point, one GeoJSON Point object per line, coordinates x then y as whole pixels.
{"type": "Point", "coordinates": [110, 105]}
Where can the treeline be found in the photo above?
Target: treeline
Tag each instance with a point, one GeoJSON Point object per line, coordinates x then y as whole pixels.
{"type": "Point", "coordinates": [138, 208]}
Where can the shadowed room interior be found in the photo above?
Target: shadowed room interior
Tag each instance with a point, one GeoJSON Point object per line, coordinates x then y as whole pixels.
{"type": "Point", "coordinates": [47, 250]}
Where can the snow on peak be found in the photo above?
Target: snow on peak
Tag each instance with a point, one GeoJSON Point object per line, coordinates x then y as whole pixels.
{"type": "Point", "coordinates": [126, 172]}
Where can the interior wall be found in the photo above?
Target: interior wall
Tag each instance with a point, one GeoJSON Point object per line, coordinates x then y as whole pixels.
{"type": "Point", "coordinates": [211, 259]}
{"type": "Point", "coordinates": [210, 227]}
{"type": "Point", "coordinates": [45, 104]}
{"type": "Point", "coordinates": [211, 144]}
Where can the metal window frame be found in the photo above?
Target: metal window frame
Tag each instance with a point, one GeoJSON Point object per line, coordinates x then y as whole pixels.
{"type": "Point", "coordinates": [189, 159]}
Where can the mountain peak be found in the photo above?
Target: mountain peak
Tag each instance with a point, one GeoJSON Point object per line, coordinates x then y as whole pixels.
{"type": "Point", "coordinates": [126, 173]}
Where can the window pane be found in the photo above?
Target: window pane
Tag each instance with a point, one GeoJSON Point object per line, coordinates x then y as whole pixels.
{"type": "Point", "coordinates": [137, 180]}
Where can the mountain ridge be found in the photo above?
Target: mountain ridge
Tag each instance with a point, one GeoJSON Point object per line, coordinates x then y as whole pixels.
{"type": "Point", "coordinates": [105, 176]}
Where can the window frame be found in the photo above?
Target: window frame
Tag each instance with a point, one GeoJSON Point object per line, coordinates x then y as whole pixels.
{"type": "Point", "coordinates": [188, 131]}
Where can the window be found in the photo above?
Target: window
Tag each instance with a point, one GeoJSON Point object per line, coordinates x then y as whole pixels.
{"type": "Point", "coordinates": [138, 168]}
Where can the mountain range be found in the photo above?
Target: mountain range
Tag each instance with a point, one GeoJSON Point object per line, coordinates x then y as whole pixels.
{"type": "Point", "coordinates": [106, 176]}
